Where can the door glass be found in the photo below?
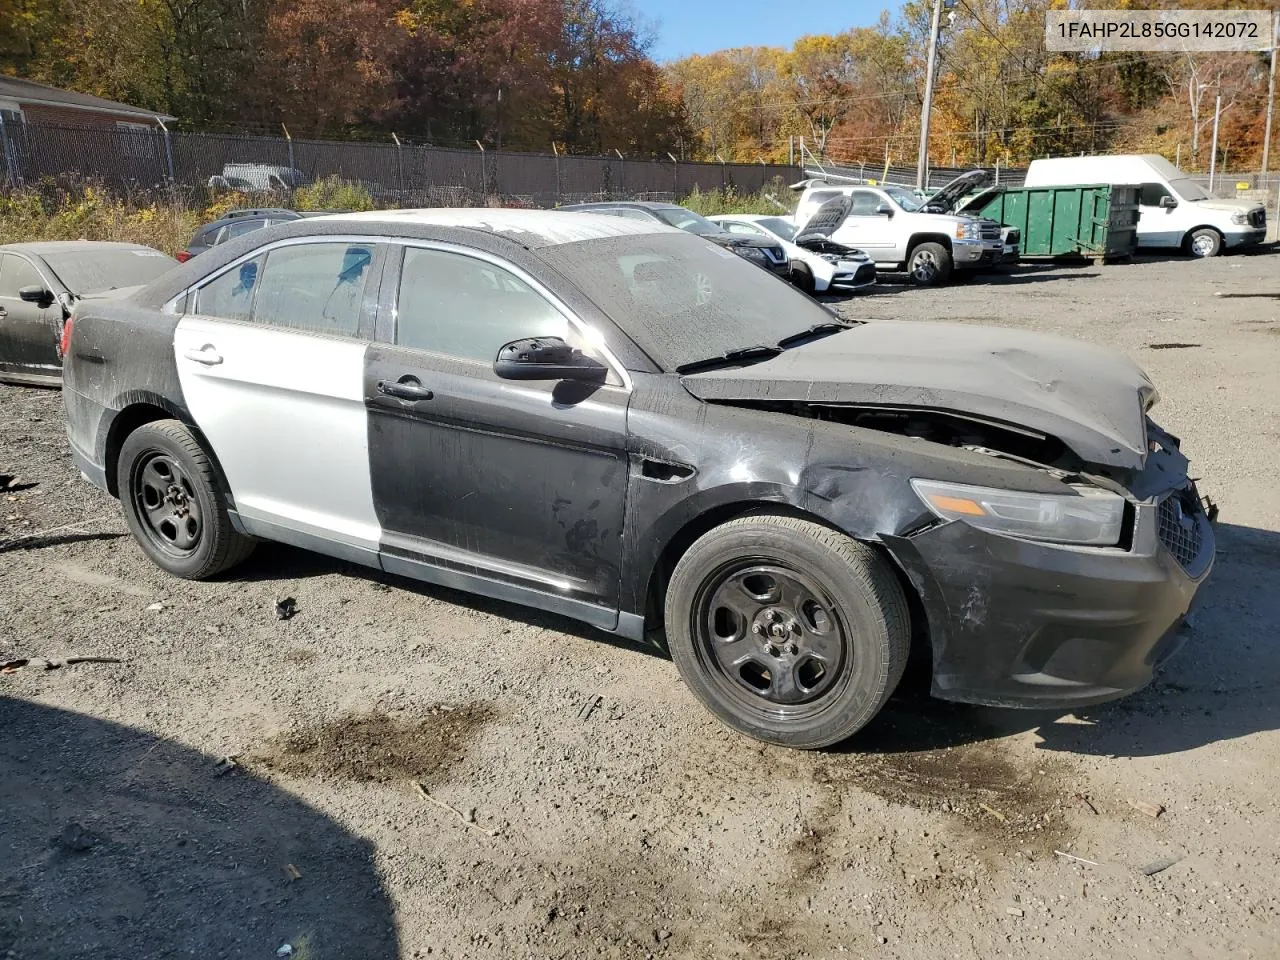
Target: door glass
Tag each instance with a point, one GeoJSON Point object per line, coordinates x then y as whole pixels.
{"type": "Point", "coordinates": [865, 203]}
{"type": "Point", "coordinates": [16, 274]}
{"type": "Point", "coordinates": [742, 228]}
{"type": "Point", "coordinates": [1152, 193]}
{"type": "Point", "coordinates": [230, 296]}
{"type": "Point", "coordinates": [315, 286]}
{"type": "Point", "coordinates": [468, 308]}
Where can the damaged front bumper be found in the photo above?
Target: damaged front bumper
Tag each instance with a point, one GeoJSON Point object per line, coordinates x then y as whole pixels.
{"type": "Point", "coordinates": [1025, 624]}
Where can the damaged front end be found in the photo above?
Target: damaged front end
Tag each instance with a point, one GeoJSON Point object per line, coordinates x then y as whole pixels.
{"type": "Point", "coordinates": [1016, 619]}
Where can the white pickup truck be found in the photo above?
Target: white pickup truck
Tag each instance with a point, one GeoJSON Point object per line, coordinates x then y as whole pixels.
{"type": "Point", "coordinates": [900, 230]}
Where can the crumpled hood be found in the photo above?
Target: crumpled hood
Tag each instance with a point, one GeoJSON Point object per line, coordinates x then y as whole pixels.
{"type": "Point", "coordinates": [1092, 399]}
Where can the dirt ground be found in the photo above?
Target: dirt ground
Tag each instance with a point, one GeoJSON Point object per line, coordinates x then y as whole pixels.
{"type": "Point", "coordinates": [597, 810]}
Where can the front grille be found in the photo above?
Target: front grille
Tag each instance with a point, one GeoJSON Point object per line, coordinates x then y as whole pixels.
{"type": "Point", "coordinates": [990, 230]}
{"type": "Point", "coordinates": [865, 274]}
{"type": "Point", "coordinates": [1257, 218]}
{"type": "Point", "coordinates": [775, 254]}
{"type": "Point", "coordinates": [1179, 520]}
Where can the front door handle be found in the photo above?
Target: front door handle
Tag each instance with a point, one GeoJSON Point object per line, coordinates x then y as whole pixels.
{"type": "Point", "coordinates": [208, 355]}
{"type": "Point", "coordinates": [406, 388]}
{"type": "Point", "coordinates": [3, 313]}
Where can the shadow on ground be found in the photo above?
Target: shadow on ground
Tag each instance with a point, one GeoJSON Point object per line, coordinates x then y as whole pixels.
{"type": "Point", "coordinates": [1221, 685]}
{"type": "Point", "coordinates": [118, 844]}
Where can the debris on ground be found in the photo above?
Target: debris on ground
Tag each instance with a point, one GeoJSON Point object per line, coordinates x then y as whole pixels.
{"type": "Point", "coordinates": [1015, 911]}
{"type": "Point", "coordinates": [588, 708]}
{"type": "Point", "coordinates": [471, 823]}
{"type": "Point", "coordinates": [155, 607]}
{"type": "Point", "coordinates": [1072, 856]}
{"type": "Point", "coordinates": [292, 872]}
{"type": "Point", "coordinates": [661, 935]}
{"type": "Point", "coordinates": [227, 764]}
{"type": "Point", "coordinates": [286, 950]}
{"type": "Point", "coordinates": [994, 812]}
{"type": "Point", "coordinates": [1172, 346]}
{"type": "Point", "coordinates": [1084, 801]}
{"type": "Point", "coordinates": [1159, 866]}
{"type": "Point", "coordinates": [286, 608]}
{"type": "Point", "coordinates": [76, 838]}
{"type": "Point", "coordinates": [1152, 810]}
{"type": "Point", "coordinates": [13, 666]}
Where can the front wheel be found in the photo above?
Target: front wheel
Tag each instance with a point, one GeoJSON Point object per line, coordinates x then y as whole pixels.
{"type": "Point", "coordinates": [1205, 242]}
{"type": "Point", "coordinates": [787, 631]}
{"type": "Point", "coordinates": [929, 264]}
{"type": "Point", "coordinates": [172, 505]}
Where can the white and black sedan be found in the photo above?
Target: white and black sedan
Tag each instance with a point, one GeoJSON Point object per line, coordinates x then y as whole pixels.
{"type": "Point", "coordinates": [41, 282]}
{"type": "Point", "coordinates": [620, 422]}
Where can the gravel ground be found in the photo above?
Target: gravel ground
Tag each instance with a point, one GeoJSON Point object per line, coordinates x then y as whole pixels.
{"type": "Point", "coordinates": [597, 809]}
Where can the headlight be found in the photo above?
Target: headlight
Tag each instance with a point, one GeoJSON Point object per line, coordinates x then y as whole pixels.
{"type": "Point", "coordinates": [969, 231]}
{"type": "Point", "coordinates": [1240, 218]}
{"type": "Point", "coordinates": [751, 253]}
{"type": "Point", "coordinates": [1089, 516]}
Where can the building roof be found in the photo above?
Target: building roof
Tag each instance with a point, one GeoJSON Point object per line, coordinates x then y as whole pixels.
{"type": "Point", "coordinates": [533, 228]}
{"type": "Point", "coordinates": [28, 91]}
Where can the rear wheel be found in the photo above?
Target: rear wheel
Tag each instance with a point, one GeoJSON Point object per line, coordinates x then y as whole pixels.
{"type": "Point", "coordinates": [929, 264]}
{"type": "Point", "coordinates": [171, 502]}
{"type": "Point", "coordinates": [787, 631]}
{"type": "Point", "coordinates": [1205, 242]}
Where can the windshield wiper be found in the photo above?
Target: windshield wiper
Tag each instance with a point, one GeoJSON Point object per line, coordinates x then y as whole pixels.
{"type": "Point", "coordinates": [817, 330]}
{"type": "Point", "coordinates": [731, 358]}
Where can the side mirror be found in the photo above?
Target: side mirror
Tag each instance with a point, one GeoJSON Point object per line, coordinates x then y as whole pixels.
{"type": "Point", "coordinates": [884, 210]}
{"type": "Point", "coordinates": [37, 295]}
{"type": "Point", "coordinates": [1168, 202]}
{"type": "Point", "coordinates": [547, 358]}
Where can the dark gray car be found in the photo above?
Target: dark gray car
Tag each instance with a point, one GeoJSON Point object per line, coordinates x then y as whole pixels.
{"type": "Point", "coordinates": [41, 282]}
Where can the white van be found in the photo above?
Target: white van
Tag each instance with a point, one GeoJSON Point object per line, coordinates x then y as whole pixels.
{"type": "Point", "coordinates": [1174, 211]}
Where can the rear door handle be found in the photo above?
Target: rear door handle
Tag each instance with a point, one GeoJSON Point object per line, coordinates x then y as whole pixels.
{"type": "Point", "coordinates": [406, 388]}
{"type": "Point", "coordinates": [208, 355]}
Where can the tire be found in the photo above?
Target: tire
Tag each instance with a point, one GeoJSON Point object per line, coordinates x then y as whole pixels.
{"type": "Point", "coordinates": [817, 626]}
{"type": "Point", "coordinates": [188, 532]}
{"type": "Point", "coordinates": [929, 264]}
{"type": "Point", "coordinates": [1203, 242]}
{"type": "Point", "coordinates": [802, 277]}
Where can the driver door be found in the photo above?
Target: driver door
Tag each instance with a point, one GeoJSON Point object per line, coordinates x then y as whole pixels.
{"type": "Point", "coordinates": [28, 332]}
{"type": "Point", "coordinates": [1158, 226]}
{"type": "Point", "coordinates": [512, 488]}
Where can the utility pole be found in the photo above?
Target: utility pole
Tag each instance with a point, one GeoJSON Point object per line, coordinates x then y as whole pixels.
{"type": "Point", "coordinates": [1213, 152]}
{"type": "Point", "coordinates": [1271, 103]}
{"type": "Point", "coordinates": [922, 161]}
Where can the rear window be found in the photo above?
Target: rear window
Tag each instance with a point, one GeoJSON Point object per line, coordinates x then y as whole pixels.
{"type": "Point", "coordinates": [95, 270]}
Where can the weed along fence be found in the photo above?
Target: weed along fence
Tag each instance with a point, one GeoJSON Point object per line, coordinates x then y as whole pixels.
{"type": "Point", "coordinates": [394, 173]}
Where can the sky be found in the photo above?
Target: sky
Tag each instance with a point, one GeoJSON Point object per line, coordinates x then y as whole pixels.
{"type": "Point", "coordinates": [703, 26]}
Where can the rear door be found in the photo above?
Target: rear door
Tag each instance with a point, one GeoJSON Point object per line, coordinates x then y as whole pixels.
{"type": "Point", "coordinates": [518, 483]}
{"type": "Point", "coordinates": [28, 332]}
{"type": "Point", "coordinates": [271, 362]}
{"type": "Point", "coordinates": [870, 230]}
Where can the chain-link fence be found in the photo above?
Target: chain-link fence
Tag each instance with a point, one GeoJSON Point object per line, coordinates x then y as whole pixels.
{"type": "Point", "coordinates": [394, 174]}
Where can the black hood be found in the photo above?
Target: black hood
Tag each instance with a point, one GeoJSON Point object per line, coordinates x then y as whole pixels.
{"type": "Point", "coordinates": [1092, 399]}
{"type": "Point", "coordinates": [727, 239]}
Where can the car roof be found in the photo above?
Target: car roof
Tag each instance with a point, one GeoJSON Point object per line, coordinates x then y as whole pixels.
{"type": "Point", "coordinates": [530, 228]}
{"type": "Point", "coordinates": [744, 217]}
{"type": "Point", "coordinates": [630, 204]}
{"type": "Point", "coordinates": [42, 248]}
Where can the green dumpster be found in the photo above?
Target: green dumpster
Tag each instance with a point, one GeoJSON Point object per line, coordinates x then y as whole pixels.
{"type": "Point", "coordinates": [1093, 220]}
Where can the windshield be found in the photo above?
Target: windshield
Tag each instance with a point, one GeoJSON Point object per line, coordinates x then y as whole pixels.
{"type": "Point", "coordinates": [95, 271]}
{"type": "Point", "coordinates": [683, 299]}
{"type": "Point", "coordinates": [905, 198]}
{"type": "Point", "coordinates": [1189, 189]}
{"type": "Point", "coordinates": [687, 220]}
{"type": "Point", "coordinates": [776, 225]}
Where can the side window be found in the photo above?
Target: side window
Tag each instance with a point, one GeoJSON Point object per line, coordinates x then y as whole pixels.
{"type": "Point", "coordinates": [230, 296]}
{"type": "Point", "coordinates": [315, 286]}
{"type": "Point", "coordinates": [864, 203]}
{"type": "Point", "coordinates": [1150, 194]}
{"type": "Point", "coordinates": [630, 214]}
{"type": "Point", "coordinates": [742, 228]}
{"type": "Point", "coordinates": [468, 308]}
{"type": "Point", "coordinates": [16, 273]}
{"type": "Point", "coordinates": [238, 228]}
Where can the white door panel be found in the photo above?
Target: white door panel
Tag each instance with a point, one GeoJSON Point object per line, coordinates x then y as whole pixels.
{"type": "Point", "coordinates": [284, 412]}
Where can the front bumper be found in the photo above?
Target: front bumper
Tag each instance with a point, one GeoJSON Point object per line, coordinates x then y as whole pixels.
{"type": "Point", "coordinates": [1022, 624]}
{"type": "Point", "coordinates": [975, 253]}
{"type": "Point", "coordinates": [853, 276]}
{"type": "Point", "coordinates": [1244, 238]}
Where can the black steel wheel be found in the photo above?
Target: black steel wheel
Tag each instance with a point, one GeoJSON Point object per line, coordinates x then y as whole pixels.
{"type": "Point", "coordinates": [169, 491]}
{"type": "Point", "coordinates": [788, 631]}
